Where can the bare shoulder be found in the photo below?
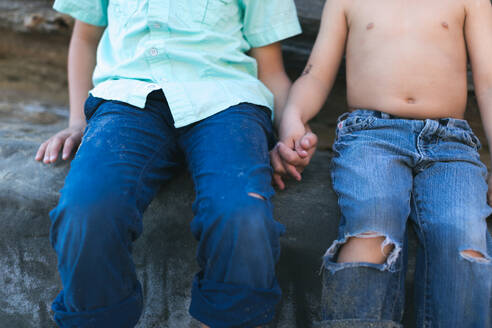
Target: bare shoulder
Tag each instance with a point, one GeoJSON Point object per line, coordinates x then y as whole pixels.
{"type": "Point", "coordinates": [334, 12]}
{"type": "Point", "coordinates": [477, 4]}
{"type": "Point", "coordinates": [477, 8]}
{"type": "Point", "coordinates": [336, 5]}
{"type": "Point", "coordinates": [479, 12]}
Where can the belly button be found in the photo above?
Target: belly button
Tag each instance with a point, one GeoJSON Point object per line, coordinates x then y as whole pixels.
{"type": "Point", "coordinates": [410, 101]}
{"type": "Point", "coordinates": [445, 25]}
{"type": "Point", "coordinates": [369, 26]}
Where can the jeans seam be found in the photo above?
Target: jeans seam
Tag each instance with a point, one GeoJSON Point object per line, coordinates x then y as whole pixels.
{"type": "Point", "coordinates": [93, 111]}
{"type": "Point", "coordinates": [146, 165]}
{"type": "Point", "coordinates": [426, 258]}
{"type": "Point", "coordinates": [397, 294]}
{"type": "Point", "coordinates": [332, 171]}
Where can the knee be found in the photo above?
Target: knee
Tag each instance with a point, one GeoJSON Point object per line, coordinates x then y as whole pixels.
{"type": "Point", "coordinates": [475, 256]}
{"type": "Point", "coordinates": [96, 195]}
{"type": "Point", "coordinates": [239, 239]}
{"type": "Point", "coordinates": [242, 212]}
{"type": "Point", "coordinates": [96, 216]}
{"type": "Point", "coordinates": [243, 217]}
{"type": "Point", "coordinates": [366, 247]}
{"type": "Point", "coordinates": [465, 238]}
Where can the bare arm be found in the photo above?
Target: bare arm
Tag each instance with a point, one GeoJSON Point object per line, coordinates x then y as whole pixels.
{"type": "Point", "coordinates": [81, 64]}
{"type": "Point", "coordinates": [310, 90]}
{"type": "Point", "coordinates": [478, 33]}
{"type": "Point", "coordinates": [272, 73]}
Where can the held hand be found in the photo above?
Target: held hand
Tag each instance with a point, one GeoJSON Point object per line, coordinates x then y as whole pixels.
{"type": "Point", "coordinates": [67, 139]}
{"type": "Point", "coordinates": [296, 159]}
{"type": "Point", "coordinates": [293, 153]}
{"type": "Point", "coordinates": [306, 146]}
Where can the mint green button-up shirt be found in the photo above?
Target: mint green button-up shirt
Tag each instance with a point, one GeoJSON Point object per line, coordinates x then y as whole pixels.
{"type": "Point", "coordinates": [194, 50]}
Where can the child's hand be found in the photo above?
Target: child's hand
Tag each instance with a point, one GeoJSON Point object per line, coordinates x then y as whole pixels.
{"type": "Point", "coordinates": [294, 150]}
{"type": "Point", "coordinates": [69, 139]}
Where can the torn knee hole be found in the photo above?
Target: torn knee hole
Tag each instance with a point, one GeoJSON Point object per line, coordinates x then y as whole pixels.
{"type": "Point", "coordinates": [474, 256]}
{"type": "Point", "coordinates": [369, 247]}
{"type": "Point", "coordinates": [255, 195]}
{"type": "Point", "coordinates": [377, 240]}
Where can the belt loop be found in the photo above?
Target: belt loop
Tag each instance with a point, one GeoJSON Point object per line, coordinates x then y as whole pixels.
{"type": "Point", "coordinates": [343, 117]}
{"type": "Point", "coordinates": [445, 122]}
{"type": "Point", "coordinates": [431, 126]}
{"type": "Point", "coordinates": [385, 115]}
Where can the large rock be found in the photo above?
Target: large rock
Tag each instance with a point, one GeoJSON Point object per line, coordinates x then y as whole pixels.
{"type": "Point", "coordinates": [32, 15]}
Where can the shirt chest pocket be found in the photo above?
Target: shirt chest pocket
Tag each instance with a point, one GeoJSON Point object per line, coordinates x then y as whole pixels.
{"type": "Point", "coordinates": [211, 12]}
{"type": "Point", "coordinates": [120, 12]}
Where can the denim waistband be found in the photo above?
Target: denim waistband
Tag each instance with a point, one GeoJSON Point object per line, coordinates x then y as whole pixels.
{"type": "Point", "coordinates": [446, 121]}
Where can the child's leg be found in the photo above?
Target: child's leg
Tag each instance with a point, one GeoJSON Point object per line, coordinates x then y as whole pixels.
{"type": "Point", "coordinates": [125, 154]}
{"type": "Point", "coordinates": [364, 269]}
{"type": "Point", "coordinates": [454, 268]}
{"type": "Point", "coordinates": [238, 238]}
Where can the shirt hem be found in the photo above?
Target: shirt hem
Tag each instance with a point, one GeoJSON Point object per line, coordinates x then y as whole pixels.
{"type": "Point", "coordinates": [222, 107]}
{"type": "Point", "coordinates": [280, 32]}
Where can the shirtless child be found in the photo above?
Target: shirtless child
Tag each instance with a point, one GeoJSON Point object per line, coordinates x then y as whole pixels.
{"type": "Point", "coordinates": [403, 152]}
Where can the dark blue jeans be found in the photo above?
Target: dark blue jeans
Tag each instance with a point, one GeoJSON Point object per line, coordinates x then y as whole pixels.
{"type": "Point", "coordinates": [125, 156]}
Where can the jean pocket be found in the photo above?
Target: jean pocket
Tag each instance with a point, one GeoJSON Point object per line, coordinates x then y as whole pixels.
{"type": "Point", "coordinates": [210, 12]}
{"type": "Point", "coordinates": [91, 105]}
{"type": "Point", "coordinates": [472, 140]}
{"type": "Point", "coordinates": [458, 130]}
{"type": "Point", "coordinates": [354, 123]}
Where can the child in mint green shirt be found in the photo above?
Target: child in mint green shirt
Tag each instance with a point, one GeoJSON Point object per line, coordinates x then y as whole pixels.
{"type": "Point", "coordinates": [171, 84]}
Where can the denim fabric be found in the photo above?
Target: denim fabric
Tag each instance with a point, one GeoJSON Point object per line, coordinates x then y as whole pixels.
{"type": "Point", "coordinates": [388, 169]}
{"type": "Point", "coordinates": [126, 154]}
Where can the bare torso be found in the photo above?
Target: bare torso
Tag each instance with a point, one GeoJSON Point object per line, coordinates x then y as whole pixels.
{"type": "Point", "coordinates": [407, 57]}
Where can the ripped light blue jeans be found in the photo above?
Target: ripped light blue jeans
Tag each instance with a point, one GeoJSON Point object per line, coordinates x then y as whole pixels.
{"type": "Point", "coordinates": [385, 171]}
{"type": "Point", "coordinates": [126, 155]}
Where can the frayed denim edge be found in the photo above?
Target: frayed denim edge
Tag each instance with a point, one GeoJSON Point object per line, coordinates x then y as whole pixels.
{"type": "Point", "coordinates": [389, 264]}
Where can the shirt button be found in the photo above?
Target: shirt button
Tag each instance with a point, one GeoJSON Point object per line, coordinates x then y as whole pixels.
{"type": "Point", "coordinates": [154, 52]}
{"type": "Point", "coordinates": [151, 87]}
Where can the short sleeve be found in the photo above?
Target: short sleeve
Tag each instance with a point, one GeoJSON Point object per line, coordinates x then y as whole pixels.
{"type": "Point", "coordinates": [269, 21]}
{"type": "Point", "coordinates": [92, 12]}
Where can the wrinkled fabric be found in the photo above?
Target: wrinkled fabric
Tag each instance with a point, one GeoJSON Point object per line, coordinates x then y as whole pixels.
{"type": "Point", "coordinates": [385, 170]}
{"type": "Point", "coordinates": [126, 155]}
